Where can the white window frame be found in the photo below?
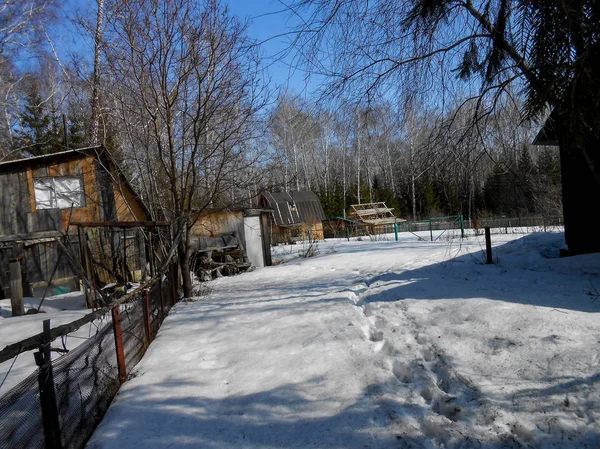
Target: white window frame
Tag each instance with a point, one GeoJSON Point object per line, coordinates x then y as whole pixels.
{"type": "Point", "coordinates": [53, 192]}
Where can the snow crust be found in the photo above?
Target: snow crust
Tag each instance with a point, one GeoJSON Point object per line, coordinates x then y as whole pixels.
{"type": "Point", "coordinates": [59, 309]}
{"type": "Point", "coordinates": [409, 344]}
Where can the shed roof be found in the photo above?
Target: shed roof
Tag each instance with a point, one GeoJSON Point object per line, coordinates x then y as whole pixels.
{"type": "Point", "coordinates": [294, 208]}
{"type": "Point", "coordinates": [44, 158]}
{"type": "Point", "coordinates": [547, 134]}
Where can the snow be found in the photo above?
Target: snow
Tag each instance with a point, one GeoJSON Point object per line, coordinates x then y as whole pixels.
{"type": "Point", "coordinates": [60, 309]}
{"type": "Point", "coordinates": [411, 344]}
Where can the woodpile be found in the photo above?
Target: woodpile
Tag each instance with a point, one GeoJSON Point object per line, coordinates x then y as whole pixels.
{"type": "Point", "coordinates": [211, 263]}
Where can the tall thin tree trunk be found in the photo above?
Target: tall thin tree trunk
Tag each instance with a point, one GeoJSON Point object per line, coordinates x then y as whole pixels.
{"type": "Point", "coordinates": [96, 78]}
{"type": "Point", "coordinates": [358, 172]}
{"type": "Point", "coordinates": [392, 184]}
{"type": "Point", "coordinates": [414, 197]}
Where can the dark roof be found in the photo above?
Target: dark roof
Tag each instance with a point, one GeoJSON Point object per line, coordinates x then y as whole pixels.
{"type": "Point", "coordinates": [309, 206]}
{"type": "Point", "coordinates": [547, 135]}
{"type": "Point", "coordinates": [294, 208]}
{"type": "Point", "coordinates": [45, 158]}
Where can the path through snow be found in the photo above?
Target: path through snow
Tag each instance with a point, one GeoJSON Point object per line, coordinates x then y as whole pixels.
{"type": "Point", "coordinates": [379, 344]}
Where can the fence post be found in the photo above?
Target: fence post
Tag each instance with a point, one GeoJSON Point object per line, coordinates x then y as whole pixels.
{"type": "Point", "coordinates": [116, 319]}
{"type": "Point", "coordinates": [162, 301]}
{"type": "Point", "coordinates": [50, 422]}
{"type": "Point", "coordinates": [347, 233]}
{"type": "Point", "coordinates": [16, 288]}
{"type": "Point", "coordinates": [174, 283]}
{"type": "Point", "coordinates": [462, 227]}
{"type": "Point", "coordinates": [544, 223]}
{"type": "Point", "coordinates": [431, 229]}
{"type": "Point", "coordinates": [396, 231]}
{"type": "Point", "coordinates": [488, 245]}
{"type": "Point", "coordinates": [146, 307]}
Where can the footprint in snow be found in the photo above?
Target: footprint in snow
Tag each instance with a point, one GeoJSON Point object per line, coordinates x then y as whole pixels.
{"type": "Point", "coordinates": [402, 371]}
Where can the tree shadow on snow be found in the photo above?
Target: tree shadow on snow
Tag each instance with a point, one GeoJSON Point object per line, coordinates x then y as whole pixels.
{"type": "Point", "coordinates": [535, 277]}
{"type": "Point", "coordinates": [283, 417]}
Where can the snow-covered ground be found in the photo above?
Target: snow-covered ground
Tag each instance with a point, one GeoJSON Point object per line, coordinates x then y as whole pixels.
{"type": "Point", "coordinates": [409, 344]}
{"type": "Point", "coordinates": [60, 309]}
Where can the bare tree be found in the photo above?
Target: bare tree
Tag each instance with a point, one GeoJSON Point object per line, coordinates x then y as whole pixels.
{"type": "Point", "coordinates": [187, 91]}
{"type": "Point", "coordinates": [21, 38]}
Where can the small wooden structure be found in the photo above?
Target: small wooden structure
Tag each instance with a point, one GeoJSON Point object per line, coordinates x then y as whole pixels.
{"type": "Point", "coordinates": [236, 237]}
{"type": "Point", "coordinates": [578, 182]}
{"type": "Point", "coordinates": [377, 216]}
{"type": "Point", "coordinates": [41, 197]}
{"type": "Point", "coordinates": [296, 215]}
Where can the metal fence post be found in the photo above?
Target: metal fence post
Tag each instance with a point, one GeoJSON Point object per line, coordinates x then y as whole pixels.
{"type": "Point", "coordinates": [174, 283]}
{"type": "Point", "coordinates": [462, 227]}
{"type": "Point", "coordinates": [431, 229]}
{"type": "Point", "coordinates": [162, 301]}
{"type": "Point", "coordinates": [396, 231]}
{"type": "Point", "coordinates": [146, 307]}
{"type": "Point", "coordinates": [116, 318]}
{"type": "Point", "coordinates": [488, 245]}
{"type": "Point", "coordinates": [50, 422]}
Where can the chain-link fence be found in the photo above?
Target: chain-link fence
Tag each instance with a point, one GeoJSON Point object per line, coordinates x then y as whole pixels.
{"type": "Point", "coordinates": [60, 404]}
{"type": "Point", "coordinates": [438, 228]}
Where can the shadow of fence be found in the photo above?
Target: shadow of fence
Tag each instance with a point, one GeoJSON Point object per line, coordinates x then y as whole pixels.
{"type": "Point", "coordinates": [60, 404]}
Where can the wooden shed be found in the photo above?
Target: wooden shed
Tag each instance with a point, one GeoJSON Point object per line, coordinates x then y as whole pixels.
{"type": "Point", "coordinates": [40, 199]}
{"type": "Point", "coordinates": [578, 182]}
{"type": "Point", "coordinates": [251, 229]}
{"type": "Point", "coordinates": [296, 215]}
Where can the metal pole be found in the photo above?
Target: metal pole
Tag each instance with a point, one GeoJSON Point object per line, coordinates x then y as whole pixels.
{"type": "Point", "coordinates": [488, 245]}
{"type": "Point", "coordinates": [462, 227]}
{"type": "Point", "coordinates": [47, 394]}
{"type": "Point", "coordinates": [116, 318]}
{"type": "Point", "coordinates": [430, 230]}
{"type": "Point", "coordinates": [146, 307]}
{"type": "Point", "coordinates": [162, 300]}
{"type": "Point", "coordinates": [396, 231]}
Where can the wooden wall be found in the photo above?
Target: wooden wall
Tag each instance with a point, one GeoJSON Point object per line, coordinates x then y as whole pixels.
{"type": "Point", "coordinates": [107, 197]}
{"type": "Point", "coordinates": [300, 232]}
{"type": "Point", "coordinates": [216, 223]}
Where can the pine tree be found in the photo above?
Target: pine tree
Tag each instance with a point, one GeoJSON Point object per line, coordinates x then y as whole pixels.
{"type": "Point", "coordinates": [40, 130]}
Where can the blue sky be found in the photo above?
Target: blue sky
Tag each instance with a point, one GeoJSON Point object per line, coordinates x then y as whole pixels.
{"type": "Point", "coordinates": [267, 23]}
{"type": "Point", "coordinates": [270, 24]}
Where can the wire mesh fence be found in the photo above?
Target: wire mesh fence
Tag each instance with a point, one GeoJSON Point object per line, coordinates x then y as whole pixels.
{"type": "Point", "coordinates": [84, 381]}
{"type": "Point", "coordinates": [438, 228]}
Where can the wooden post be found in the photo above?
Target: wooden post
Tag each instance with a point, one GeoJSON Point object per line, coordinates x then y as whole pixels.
{"type": "Point", "coordinates": [116, 318]}
{"type": "Point", "coordinates": [146, 307]}
{"type": "Point", "coordinates": [47, 394]}
{"type": "Point", "coordinates": [396, 231]}
{"type": "Point", "coordinates": [88, 269]}
{"type": "Point", "coordinates": [488, 245]}
{"type": "Point", "coordinates": [82, 268]}
{"type": "Point", "coordinates": [16, 288]}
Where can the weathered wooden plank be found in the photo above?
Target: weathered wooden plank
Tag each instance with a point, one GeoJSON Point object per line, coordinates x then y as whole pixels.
{"type": "Point", "coordinates": [121, 224]}
{"type": "Point", "coordinates": [30, 236]}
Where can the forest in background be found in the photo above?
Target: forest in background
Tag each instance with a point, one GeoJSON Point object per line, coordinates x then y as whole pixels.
{"type": "Point", "coordinates": [245, 138]}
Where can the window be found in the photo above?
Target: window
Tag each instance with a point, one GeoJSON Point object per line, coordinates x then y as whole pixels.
{"type": "Point", "coordinates": [58, 193]}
